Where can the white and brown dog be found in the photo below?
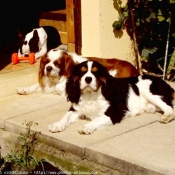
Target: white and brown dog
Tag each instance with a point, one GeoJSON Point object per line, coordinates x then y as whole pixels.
{"type": "Point", "coordinates": [57, 66]}
{"type": "Point", "coordinates": [40, 41]}
{"type": "Point", "coordinates": [97, 96]}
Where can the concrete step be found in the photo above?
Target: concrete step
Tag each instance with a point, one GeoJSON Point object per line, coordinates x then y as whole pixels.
{"type": "Point", "coordinates": [17, 105]}
{"type": "Point", "coordinates": [13, 76]}
{"type": "Point", "coordinates": [137, 146]}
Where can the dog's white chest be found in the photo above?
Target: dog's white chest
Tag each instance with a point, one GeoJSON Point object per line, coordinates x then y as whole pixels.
{"type": "Point", "coordinates": [92, 106]}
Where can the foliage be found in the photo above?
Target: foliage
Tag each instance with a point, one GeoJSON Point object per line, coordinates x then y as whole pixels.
{"type": "Point", "coordinates": [23, 155]}
{"type": "Point", "coordinates": [150, 20]}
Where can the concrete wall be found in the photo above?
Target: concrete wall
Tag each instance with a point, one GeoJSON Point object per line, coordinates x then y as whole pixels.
{"type": "Point", "coordinates": [98, 37]}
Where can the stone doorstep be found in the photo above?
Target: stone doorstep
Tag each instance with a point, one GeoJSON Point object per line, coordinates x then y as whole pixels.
{"type": "Point", "coordinates": [131, 158]}
{"type": "Point", "coordinates": [99, 147]}
{"type": "Point", "coordinates": [65, 161]}
{"type": "Point", "coordinates": [138, 145]}
{"type": "Point", "coordinates": [22, 78]}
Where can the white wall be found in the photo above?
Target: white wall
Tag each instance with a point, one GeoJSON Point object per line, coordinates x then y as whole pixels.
{"type": "Point", "coordinates": [98, 37]}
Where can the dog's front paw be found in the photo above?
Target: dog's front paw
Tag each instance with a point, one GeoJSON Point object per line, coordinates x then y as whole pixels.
{"type": "Point", "coordinates": [21, 91]}
{"type": "Point", "coordinates": [167, 119]}
{"type": "Point", "coordinates": [57, 127]}
{"type": "Point", "coordinates": [85, 129]}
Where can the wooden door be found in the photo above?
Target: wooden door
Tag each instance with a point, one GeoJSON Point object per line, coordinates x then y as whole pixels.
{"type": "Point", "coordinates": [73, 8]}
{"type": "Point", "coordinates": [68, 23]}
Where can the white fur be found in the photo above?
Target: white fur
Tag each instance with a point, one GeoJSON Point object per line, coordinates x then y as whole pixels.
{"type": "Point", "coordinates": [95, 124]}
{"type": "Point", "coordinates": [55, 70]}
{"type": "Point", "coordinates": [54, 86]}
{"type": "Point", "coordinates": [53, 83]}
{"type": "Point", "coordinates": [147, 102]}
{"type": "Point", "coordinates": [42, 43]}
{"type": "Point", "coordinates": [77, 58]}
{"type": "Point", "coordinates": [28, 90]}
{"type": "Point", "coordinates": [113, 72]}
{"type": "Point", "coordinates": [91, 106]}
{"type": "Point", "coordinates": [92, 84]}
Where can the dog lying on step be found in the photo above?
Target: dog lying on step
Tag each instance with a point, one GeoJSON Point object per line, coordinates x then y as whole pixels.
{"type": "Point", "coordinates": [104, 100]}
{"type": "Point", "coordinates": [57, 66]}
{"type": "Point", "coordinates": [39, 41]}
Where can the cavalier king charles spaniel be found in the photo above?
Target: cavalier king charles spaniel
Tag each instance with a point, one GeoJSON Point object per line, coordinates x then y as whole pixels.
{"type": "Point", "coordinates": [39, 41]}
{"type": "Point", "coordinates": [104, 100]}
{"type": "Point", "coordinates": [57, 66]}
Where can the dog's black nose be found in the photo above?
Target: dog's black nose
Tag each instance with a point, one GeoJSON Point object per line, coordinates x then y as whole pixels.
{"type": "Point", "coordinates": [49, 68]}
{"type": "Point", "coordinates": [88, 79]}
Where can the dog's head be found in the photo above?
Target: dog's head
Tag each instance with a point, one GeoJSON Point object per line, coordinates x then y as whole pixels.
{"type": "Point", "coordinates": [86, 77]}
{"type": "Point", "coordinates": [55, 64]}
{"type": "Point", "coordinates": [30, 43]}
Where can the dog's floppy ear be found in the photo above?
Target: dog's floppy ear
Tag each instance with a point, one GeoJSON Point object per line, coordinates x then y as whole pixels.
{"type": "Point", "coordinates": [34, 42]}
{"type": "Point", "coordinates": [69, 64]}
{"type": "Point", "coordinates": [35, 35]}
{"type": "Point", "coordinates": [73, 89]}
{"type": "Point", "coordinates": [41, 70]}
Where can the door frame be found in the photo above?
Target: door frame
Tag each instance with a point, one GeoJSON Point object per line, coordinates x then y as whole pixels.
{"type": "Point", "coordinates": [73, 15]}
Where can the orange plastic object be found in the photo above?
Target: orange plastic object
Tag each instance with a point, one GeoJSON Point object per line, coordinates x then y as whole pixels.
{"type": "Point", "coordinates": [16, 59]}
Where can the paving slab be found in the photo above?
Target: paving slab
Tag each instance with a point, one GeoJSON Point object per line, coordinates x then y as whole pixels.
{"type": "Point", "coordinates": [70, 140]}
{"type": "Point", "coordinates": [137, 146]}
{"type": "Point", "coordinates": [18, 67]}
{"type": "Point", "coordinates": [110, 146]}
{"type": "Point", "coordinates": [11, 80]}
{"type": "Point", "coordinates": [17, 105]}
{"type": "Point", "coordinates": [146, 150]}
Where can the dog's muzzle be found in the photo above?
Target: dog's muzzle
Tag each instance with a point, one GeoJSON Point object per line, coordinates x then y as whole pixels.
{"type": "Point", "coordinates": [49, 68]}
{"type": "Point", "coordinates": [88, 80]}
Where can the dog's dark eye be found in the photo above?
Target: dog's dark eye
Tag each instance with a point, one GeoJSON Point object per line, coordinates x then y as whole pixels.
{"type": "Point", "coordinates": [25, 42]}
{"type": "Point", "coordinates": [46, 60]}
{"type": "Point", "coordinates": [57, 64]}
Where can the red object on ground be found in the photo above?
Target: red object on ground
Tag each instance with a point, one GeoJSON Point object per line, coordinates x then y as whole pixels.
{"type": "Point", "coordinates": [30, 57]}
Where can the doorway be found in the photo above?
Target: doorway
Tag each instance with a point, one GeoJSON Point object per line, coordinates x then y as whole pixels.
{"type": "Point", "coordinates": [68, 22]}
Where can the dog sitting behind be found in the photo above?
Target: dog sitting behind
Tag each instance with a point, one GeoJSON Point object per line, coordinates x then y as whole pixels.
{"type": "Point", "coordinates": [40, 41]}
{"type": "Point", "coordinates": [57, 66]}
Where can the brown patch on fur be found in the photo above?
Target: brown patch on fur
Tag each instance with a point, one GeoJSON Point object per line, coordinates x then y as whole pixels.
{"type": "Point", "coordinates": [75, 78]}
{"type": "Point", "coordinates": [65, 63]}
{"type": "Point", "coordinates": [68, 64]}
{"type": "Point", "coordinates": [44, 60]}
{"type": "Point", "coordinates": [173, 95]}
{"type": "Point", "coordinates": [103, 79]}
{"type": "Point", "coordinates": [124, 68]}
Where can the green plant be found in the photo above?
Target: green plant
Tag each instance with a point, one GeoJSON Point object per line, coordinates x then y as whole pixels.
{"type": "Point", "coordinates": [149, 24]}
{"type": "Point", "coordinates": [23, 154]}
{"type": "Point", "coordinates": [123, 16]}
